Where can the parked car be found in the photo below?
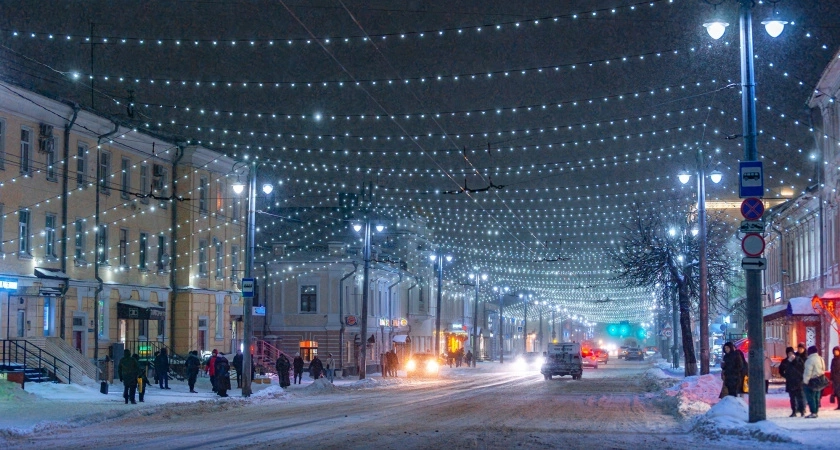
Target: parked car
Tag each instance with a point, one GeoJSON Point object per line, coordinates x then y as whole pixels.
{"type": "Point", "coordinates": [650, 351]}
{"type": "Point", "coordinates": [602, 356]}
{"type": "Point", "coordinates": [634, 353]}
{"type": "Point", "coordinates": [422, 365]}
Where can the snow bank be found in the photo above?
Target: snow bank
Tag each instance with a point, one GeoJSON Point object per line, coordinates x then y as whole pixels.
{"type": "Point", "coordinates": [696, 394]}
{"type": "Point", "coordinates": [273, 392]}
{"type": "Point", "coordinates": [729, 417]}
{"type": "Point", "coordinates": [321, 386]}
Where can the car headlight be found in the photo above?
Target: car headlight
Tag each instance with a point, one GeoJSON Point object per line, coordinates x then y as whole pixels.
{"type": "Point", "coordinates": [410, 365]}
{"type": "Point", "coordinates": [520, 360]}
{"type": "Point", "coordinates": [432, 367]}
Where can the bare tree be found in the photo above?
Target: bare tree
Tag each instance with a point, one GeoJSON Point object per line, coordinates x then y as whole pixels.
{"type": "Point", "coordinates": [660, 251]}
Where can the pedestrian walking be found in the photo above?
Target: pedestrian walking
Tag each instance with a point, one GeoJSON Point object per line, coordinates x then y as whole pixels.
{"type": "Point", "coordinates": [330, 367]}
{"type": "Point", "coordinates": [211, 368]}
{"type": "Point", "coordinates": [383, 360]}
{"type": "Point", "coordinates": [393, 362]}
{"type": "Point", "coordinates": [142, 378]}
{"type": "Point", "coordinates": [298, 368]}
{"type": "Point", "coordinates": [469, 357]}
{"type": "Point", "coordinates": [193, 364]}
{"type": "Point", "coordinates": [814, 368]}
{"type": "Point", "coordinates": [222, 375]}
{"type": "Point", "coordinates": [732, 368]}
{"type": "Point", "coordinates": [316, 367]}
{"type": "Point", "coordinates": [162, 368]}
{"type": "Point", "coordinates": [835, 375]}
{"type": "Point", "coordinates": [237, 366]}
{"type": "Point", "coordinates": [283, 365]}
{"type": "Point", "coordinates": [791, 369]}
{"type": "Point", "coordinates": [127, 372]}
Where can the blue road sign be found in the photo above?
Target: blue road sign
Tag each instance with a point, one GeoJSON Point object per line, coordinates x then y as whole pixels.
{"type": "Point", "coordinates": [751, 179]}
{"type": "Point", "coordinates": [248, 287]}
{"type": "Point", "coordinates": [752, 209]}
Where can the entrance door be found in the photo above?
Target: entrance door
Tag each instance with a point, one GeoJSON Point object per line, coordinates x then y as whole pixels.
{"type": "Point", "coordinates": [77, 341]}
{"type": "Point", "coordinates": [21, 323]}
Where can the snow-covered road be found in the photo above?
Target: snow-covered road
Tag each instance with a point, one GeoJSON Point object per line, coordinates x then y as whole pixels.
{"type": "Point", "coordinates": [615, 406]}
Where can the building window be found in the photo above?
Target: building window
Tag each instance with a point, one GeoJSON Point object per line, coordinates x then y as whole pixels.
{"type": "Point", "coordinates": [144, 183]}
{"type": "Point", "coordinates": [220, 317]}
{"type": "Point", "coordinates": [162, 256]}
{"type": "Point", "coordinates": [309, 299]}
{"type": "Point", "coordinates": [103, 172]}
{"type": "Point", "coordinates": [144, 247]}
{"type": "Point", "coordinates": [25, 151]}
{"type": "Point", "coordinates": [49, 236]}
{"type": "Point", "coordinates": [125, 178]}
{"type": "Point", "coordinates": [48, 320]}
{"type": "Point", "coordinates": [23, 233]}
{"type": "Point", "coordinates": [202, 195]}
{"type": "Point", "coordinates": [51, 169]}
{"type": "Point", "coordinates": [81, 165]}
{"type": "Point", "coordinates": [2, 144]}
{"type": "Point", "coordinates": [102, 245]}
{"type": "Point", "coordinates": [234, 262]}
{"type": "Point", "coordinates": [79, 253]}
{"type": "Point", "coordinates": [160, 183]}
{"type": "Point", "coordinates": [235, 210]}
{"type": "Point", "coordinates": [123, 248]}
{"type": "Point", "coordinates": [219, 256]}
{"type": "Point", "coordinates": [202, 258]}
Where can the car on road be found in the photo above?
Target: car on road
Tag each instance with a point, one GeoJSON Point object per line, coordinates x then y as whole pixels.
{"type": "Point", "coordinates": [634, 353]}
{"type": "Point", "coordinates": [602, 356]}
{"type": "Point", "coordinates": [622, 351]}
{"type": "Point", "coordinates": [651, 350]}
{"type": "Point", "coordinates": [530, 361]}
{"type": "Point", "coordinates": [422, 365]}
{"type": "Point", "coordinates": [589, 358]}
{"type": "Point", "coordinates": [563, 359]}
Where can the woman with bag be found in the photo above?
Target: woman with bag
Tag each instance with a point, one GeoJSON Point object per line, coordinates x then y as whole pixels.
{"type": "Point", "coordinates": [814, 379]}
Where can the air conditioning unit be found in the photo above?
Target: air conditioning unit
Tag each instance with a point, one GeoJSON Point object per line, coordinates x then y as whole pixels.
{"type": "Point", "coordinates": [46, 144]}
{"type": "Point", "coordinates": [46, 130]}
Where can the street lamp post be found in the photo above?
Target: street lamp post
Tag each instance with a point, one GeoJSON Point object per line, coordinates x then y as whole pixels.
{"type": "Point", "coordinates": [438, 258]}
{"type": "Point", "coordinates": [774, 27]}
{"type": "Point", "coordinates": [359, 227]}
{"type": "Point", "coordinates": [501, 331]}
{"type": "Point", "coordinates": [704, 266]}
{"type": "Point", "coordinates": [526, 299]}
{"type": "Point", "coordinates": [478, 278]}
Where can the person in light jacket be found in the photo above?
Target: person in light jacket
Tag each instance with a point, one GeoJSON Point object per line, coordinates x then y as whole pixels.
{"type": "Point", "coordinates": [330, 368]}
{"type": "Point", "coordinates": [814, 367]}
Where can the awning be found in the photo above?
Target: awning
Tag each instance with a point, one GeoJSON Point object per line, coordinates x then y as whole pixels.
{"type": "Point", "coordinates": [49, 291]}
{"type": "Point", "coordinates": [137, 310]}
{"type": "Point", "coordinates": [402, 339]}
{"type": "Point", "coordinates": [797, 306]}
{"type": "Point", "coordinates": [52, 274]}
{"type": "Point", "coordinates": [775, 312]}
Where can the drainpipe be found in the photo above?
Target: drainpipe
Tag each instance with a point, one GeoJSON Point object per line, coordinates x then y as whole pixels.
{"type": "Point", "coordinates": [391, 312]}
{"type": "Point", "coordinates": [173, 242]}
{"type": "Point", "coordinates": [408, 300]}
{"type": "Point", "coordinates": [99, 285]}
{"type": "Point", "coordinates": [265, 298]}
{"type": "Point", "coordinates": [341, 316]}
{"type": "Point", "coordinates": [64, 188]}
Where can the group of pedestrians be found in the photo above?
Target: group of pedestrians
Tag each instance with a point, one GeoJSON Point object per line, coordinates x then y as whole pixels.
{"type": "Point", "coordinates": [317, 368]}
{"type": "Point", "coordinates": [390, 363]}
{"type": "Point", "coordinates": [803, 371]}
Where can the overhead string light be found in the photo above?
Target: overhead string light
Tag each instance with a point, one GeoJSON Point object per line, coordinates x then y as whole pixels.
{"type": "Point", "coordinates": [245, 43]}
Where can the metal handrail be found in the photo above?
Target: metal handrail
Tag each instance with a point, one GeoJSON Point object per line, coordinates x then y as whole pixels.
{"type": "Point", "coordinates": [13, 347]}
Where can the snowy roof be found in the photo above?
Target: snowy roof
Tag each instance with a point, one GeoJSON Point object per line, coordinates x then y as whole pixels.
{"type": "Point", "coordinates": [800, 306]}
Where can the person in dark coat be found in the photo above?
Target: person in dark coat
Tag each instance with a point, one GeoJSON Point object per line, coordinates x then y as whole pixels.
{"type": "Point", "coordinates": [162, 369]}
{"type": "Point", "coordinates": [127, 372]}
{"type": "Point", "coordinates": [801, 352]}
{"type": "Point", "coordinates": [835, 375]}
{"type": "Point", "coordinates": [193, 364]}
{"type": "Point", "coordinates": [142, 379]}
{"type": "Point", "coordinates": [211, 368]}
{"type": "Point", "coordinates": [222, 375]}
{"type": "Point", "coordinates": [791, 369]}
{"type": "Point", "coordinates": [298, 368]}
{"type": "Point", "coordinates": [316, 367]}
{"type": "Point", "coordinates": [283, 365]}
{"type": "Point", "coordinates": [393, 363]}
{"type": "Point", "coordinates": [237, 365]}
{"type": "Point", "coordinates": [732, 367]}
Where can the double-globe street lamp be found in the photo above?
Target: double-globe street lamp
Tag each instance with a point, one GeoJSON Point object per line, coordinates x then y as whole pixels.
{"type": "Point", "coordinates": [502, 292]}
{"type": "Point", "coordinates": [365, 229]}
{"type": "Point", "coordinates": [685, 177]}
{"type": "Point", "coordinates": [774, 27]}
{"type": "Point", "coordinates": [477, 278]}
{"type": "Point", "coordinates": [250, 226]}
{"type": "Point", "coordinates": [438, 258]}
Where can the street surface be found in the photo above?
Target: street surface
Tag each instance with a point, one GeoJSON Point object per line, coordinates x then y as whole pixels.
{"type": "Point", "coordinates": [614, 406]}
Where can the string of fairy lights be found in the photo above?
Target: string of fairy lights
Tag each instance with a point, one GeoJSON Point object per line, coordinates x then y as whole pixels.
{"type": "Point", "coordinates": [459, 224]}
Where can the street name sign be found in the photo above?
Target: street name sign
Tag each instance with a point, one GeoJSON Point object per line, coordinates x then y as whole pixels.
{"type": "Point", "coordinates": [751, 179]}
{"type": "Point", "coordinates": [248, 287]}
{"type": "Point", "coordinates": [754, 263]}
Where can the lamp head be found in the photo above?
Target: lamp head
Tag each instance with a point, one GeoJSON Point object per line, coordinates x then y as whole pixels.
{"type": "Point", "coordinates": [684, 176]}
{"type": "Point", "coordinates": [716, 28]}
{"type": "Point", "coordinates": [433, 257]}
{"type": "Point", "coordinates": [238, 187]}
{"type": "Point", "coordinates": [484, 276]}
{"type": "Point", "coordinates": [267, 188]}
{"type": "Point", "coordinates": [379, 227]}
{"type": "Point", "coordinates": [448, 258]}
{"type": "Point", "coordinates": [357, 227]}
{"type": "Point", "coordinates": [716, 176]}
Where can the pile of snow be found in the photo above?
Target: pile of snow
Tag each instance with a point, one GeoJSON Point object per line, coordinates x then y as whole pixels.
{"type": "Point", "coordinates": [729, 417]}
{"type": "Point", "coordinates": [658, 373]}
{"type": "Point", "coordinates": [272, 392]}
{"type": "Point", "coordinates": [321, 385]}
{"type": "Point", "coordinates": [374, 382]}
{"type": "Point", "coordinates": [696, 394]}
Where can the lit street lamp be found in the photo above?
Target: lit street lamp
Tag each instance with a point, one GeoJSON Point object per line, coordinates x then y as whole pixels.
{"type": "Point", "coordinates": [438, 258]}
{"type": "Point", "coordinates": [477, 279]}
{"type": "Point", "coordinates": [358, 227]}
{"type": "Point", "coordinates": [715, 176]}
{"type": "Point", "coordinates": [502, 291]}
{"type": "Point", "coordinates": [757, 406]}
